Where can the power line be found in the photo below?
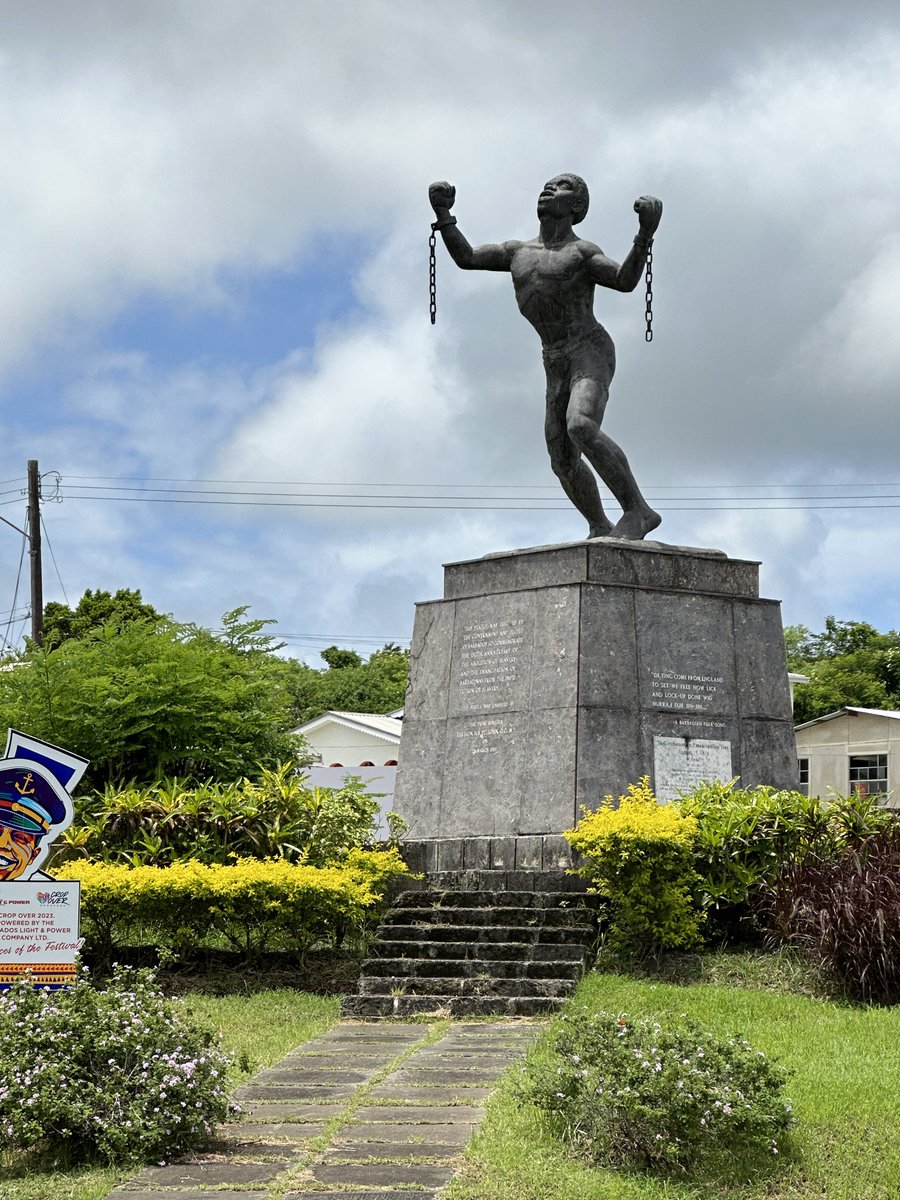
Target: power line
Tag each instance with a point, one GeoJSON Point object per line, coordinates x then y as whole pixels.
{"type": "Point", "coordinates": [338, 637]}
{"type": "Point", "coordinates": [53, 558]}
{"type": "Point", "coordinates": [7, 644]}
{"type": "Point", "coordinates": [510, 506]}
{"type": "Point", "coordinates": [453, 484]}
{"type": "Point", "coordinates": [358, 495]}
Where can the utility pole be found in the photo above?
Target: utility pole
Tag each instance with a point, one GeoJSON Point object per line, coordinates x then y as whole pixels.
{"type": "Point", "coordinates": [33, 526]}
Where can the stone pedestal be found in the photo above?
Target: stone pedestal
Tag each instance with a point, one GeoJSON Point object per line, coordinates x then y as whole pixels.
{"type": "Point", "coordinates": [548, 678]}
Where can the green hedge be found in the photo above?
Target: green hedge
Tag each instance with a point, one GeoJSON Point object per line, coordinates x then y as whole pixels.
{"type": "Point", "coordinates": [251, 906]}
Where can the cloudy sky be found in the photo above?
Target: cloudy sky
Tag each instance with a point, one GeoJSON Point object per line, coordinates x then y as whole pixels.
{"type": "Point", "coordinates": [214, 309]}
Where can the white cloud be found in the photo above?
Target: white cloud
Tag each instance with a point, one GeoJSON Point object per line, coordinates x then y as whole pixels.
{"type": "Point", "coordinates": [155, 149]}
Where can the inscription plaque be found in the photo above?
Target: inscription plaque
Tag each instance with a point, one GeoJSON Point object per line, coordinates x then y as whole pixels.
{"type": "Point", "coordinates": [492, 657]}
{"type": "Point", "coordinates": [484, 735]}
{"type": "Point", "coordinates": [683, 690]}
{"type": "Point", "coordinates": [680, 764]}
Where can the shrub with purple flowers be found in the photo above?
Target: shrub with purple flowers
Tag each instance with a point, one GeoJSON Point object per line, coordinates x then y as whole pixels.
{"type": "Point", "coordinates": [117, 1074]}
{"type": "Point", "coordinates": [632, 1093]}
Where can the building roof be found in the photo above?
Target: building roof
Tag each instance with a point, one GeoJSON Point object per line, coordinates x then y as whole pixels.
{"type": "Point", "coordinates": [387, 728]}
{"type": "Point", "coordinates": [854, 712]}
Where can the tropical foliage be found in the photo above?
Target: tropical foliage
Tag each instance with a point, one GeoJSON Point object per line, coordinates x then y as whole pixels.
{"type": "Point", "coordinates": [274, 816]}
{"type": "Point", "coordinates": [845, 910]}
{"type": "Point", "coordinates": [849, 663]}
{"type": "Point", "coordinates": [348, 684]}
{"type": "Point", "coordinates": [149, 698]}
{"type": "Point", "coordinates": [745, 837]}
{"type": "Point", "coordinates": [94, 610]}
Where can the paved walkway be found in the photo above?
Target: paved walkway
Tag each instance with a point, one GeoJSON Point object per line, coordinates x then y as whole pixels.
{"type": "Point", "coordinates": [366, 1112]}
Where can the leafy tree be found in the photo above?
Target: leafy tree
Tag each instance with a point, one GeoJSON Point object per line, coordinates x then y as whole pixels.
{"type": "Point", "coordinates": [93, 610]}
{"type": "Point", "coordinates": [849, 663]}
{"type": "Point", "coordinates": [152, 698]}
{"type": "Point", "coordinates": [340, 660]}
{"type": "Point", "coordinates": [349, 684]}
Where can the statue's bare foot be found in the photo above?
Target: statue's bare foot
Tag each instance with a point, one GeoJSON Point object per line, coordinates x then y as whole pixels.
{"type": "Point", "coordinates": [636, 524]}
{"type": "Point", "coordinates": [601, 528]}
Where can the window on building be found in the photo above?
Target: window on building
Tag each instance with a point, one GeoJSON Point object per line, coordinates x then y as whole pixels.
{"type": "Point", "coordinates": [391, 762]}
{"type": "Point", "coordinates": [367, 764]}
{"type": "Point", "coordinates": [335, 764]}
{"type": "Point", "coordinates": [868, 774]}
{"type": "Point", "coordinates": [803, 770]}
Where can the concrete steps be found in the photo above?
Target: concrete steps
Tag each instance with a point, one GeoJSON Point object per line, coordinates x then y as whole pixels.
{"type": "Point", "coordinates": [475, 943]}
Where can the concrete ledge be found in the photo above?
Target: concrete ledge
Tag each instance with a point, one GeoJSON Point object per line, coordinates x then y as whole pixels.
{"type": "Point", "coordinates": [535, 852]}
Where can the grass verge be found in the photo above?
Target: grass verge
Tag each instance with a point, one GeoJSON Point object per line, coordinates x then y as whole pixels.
{"type": "Point", "coordinates": [846, 1062]}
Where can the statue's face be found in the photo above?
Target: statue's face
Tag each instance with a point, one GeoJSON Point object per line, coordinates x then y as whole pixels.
{"type": "Point", "coordinates": [17, 850]}
{"type": "Point", "coordinates": [557, 198]}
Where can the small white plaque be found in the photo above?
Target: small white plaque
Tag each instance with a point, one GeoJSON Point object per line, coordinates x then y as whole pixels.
{"type": "Point", "coordinates": [681, 763]}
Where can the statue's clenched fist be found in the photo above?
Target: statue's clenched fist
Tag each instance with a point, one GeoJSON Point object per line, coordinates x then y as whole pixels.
{"type": "Point", "coordinates": [442, 195]}
{"type": "Point", "coordinates": [649, 211]}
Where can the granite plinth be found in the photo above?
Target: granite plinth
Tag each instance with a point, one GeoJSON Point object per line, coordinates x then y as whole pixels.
{"type": "Point", "coordinates": [549, 678]}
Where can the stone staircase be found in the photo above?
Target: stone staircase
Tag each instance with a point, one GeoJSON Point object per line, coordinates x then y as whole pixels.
{"type": "Point", "coordinates": [471, 943]}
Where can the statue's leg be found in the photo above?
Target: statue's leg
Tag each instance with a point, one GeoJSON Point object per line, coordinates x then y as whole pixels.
{"type": "Point", "coordinates": [565, 458]}
{"type": "Point", "coordinates": [587, 404]}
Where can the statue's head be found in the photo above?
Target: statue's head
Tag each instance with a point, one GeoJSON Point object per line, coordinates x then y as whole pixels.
{"type": "Point", "coordinates": [579, 191]}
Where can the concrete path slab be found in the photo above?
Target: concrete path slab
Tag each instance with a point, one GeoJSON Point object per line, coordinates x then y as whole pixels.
{"type": "Point", "coordinates": [383, 1174]}
{"type": "Point", "coordinates": [353, 1195]}
{"type": "Point", "coordinates": [373, 1133]}
{"type": "Point", "coordinates": [429, 1095]}
{"type": "Point", "coordinates": [416, 1114]}
{"type": "Point", "coordinates": [399, 1101]}
{"type": "Point", "coordinates": [129, 1193]}
{"type": "Point", "coordinates": [209, 1174]}
{"type": "Point", "coordinates": [396, 1151]}
{"type": "Point", "coordinates": [291, 1111]}
{"type": "Point", "coordinates": [294, 1131]}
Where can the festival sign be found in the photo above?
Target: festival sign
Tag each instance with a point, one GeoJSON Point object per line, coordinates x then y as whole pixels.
{"type": "Point", "coordinates": [39, 915]}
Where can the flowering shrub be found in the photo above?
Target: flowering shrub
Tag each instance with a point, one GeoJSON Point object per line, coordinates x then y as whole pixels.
{"type": "Point", "coordinates": [251, 905]}
{"type": "Point", "coordinates": [638, 855]}
{"type": "Point", "coordinates": [117, 1074]}
{"type": "Point", "coordinates": [631, 1093]}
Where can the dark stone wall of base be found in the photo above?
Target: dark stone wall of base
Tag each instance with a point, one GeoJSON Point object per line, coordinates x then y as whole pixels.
{"type": "Point", "coordinates": [549, 678]}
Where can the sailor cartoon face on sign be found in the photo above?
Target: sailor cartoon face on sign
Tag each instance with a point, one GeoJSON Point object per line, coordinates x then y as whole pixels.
{"type": "Point", "coordinates": [34, 808]}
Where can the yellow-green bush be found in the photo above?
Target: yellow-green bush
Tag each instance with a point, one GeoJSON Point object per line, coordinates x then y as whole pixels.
{"type": "Point", "coordinates": [638, 855]}
{"type": "Point", "coordinates": [251, 906]}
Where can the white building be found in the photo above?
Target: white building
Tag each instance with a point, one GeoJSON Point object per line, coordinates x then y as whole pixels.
{"type": "Point", "coordinates": [851, 750]}
{"type": "Point", "coordinates": [351, 743]}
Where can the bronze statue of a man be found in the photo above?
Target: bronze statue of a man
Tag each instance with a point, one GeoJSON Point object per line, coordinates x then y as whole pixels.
{"type": "Point", "coordinates": [554, 276]}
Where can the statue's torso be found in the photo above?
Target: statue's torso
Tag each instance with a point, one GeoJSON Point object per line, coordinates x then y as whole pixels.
{"type": "Point", "coordinates": [554, 289]}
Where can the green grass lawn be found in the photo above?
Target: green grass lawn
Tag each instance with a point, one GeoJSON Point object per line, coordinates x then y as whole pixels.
{"type": "Point", "coordinates": [845, 1090]}
{"type": "Point", "coordinates": [259, 1028]}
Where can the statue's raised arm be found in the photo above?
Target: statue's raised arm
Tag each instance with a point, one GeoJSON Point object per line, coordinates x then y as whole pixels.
{"type": "Point", "coordinates": [442, 197]}
{"type": "Point", "coordinates": [625, 277]}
